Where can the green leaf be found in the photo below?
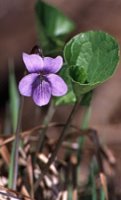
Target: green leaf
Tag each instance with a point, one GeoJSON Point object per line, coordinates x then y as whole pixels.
{"type": "Point", "coordinates": [92, 58]}
{"type": "Point", "coordinates": [70, 96]}
{"type": "Point", "coordinates": [93, 184]}
{"type": "Point", "coordinates": [53, 25]}
{"type": "Point", "coordinates": [79, 72]}
{"type": "Point", "coordinates": [14, 109]}
{"type": "Point", "coordinates": [13, 95]}
{"type": "Point", "coordinates": [102, 194]}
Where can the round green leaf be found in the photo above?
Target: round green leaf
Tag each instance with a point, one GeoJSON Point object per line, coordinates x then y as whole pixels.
{"type": "Point", "coordinates": [92, 58]}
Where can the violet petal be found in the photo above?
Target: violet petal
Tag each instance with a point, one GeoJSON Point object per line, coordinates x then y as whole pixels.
{"type": "Point", "coordinates": [59, 87]}
{"type": "Point", "coordinates": [33, 62]}
{"type": "Point", "coordinates": [52, 65]}
{"type": "Point", "coordinates": [42, 93]}
{"type": "Point", "coordinates": [26, 84]}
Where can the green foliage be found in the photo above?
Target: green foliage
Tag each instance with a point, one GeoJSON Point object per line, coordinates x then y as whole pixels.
{"type": "Point", "coordinates": [53, 26]}
{"type": "Point", "coordinates": [14, 96]}
{"type": "Point", "coordinates": [92, 58]}
{"type": "Point", "coordinates": [14, 109]}
{"type": "Point", "coordinates": [102, 194]}
{"type": "Point", "coordinates": [93, 182]}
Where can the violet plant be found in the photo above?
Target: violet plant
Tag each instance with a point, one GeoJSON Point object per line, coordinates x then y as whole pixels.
{"type": "Point", "coordinates": [83, 63]}
{"type": "Point", "coordinates": [42, 82]}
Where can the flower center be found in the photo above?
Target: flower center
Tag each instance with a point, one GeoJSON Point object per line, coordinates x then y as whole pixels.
{"type": "Point", "coordinates": [41, 76]}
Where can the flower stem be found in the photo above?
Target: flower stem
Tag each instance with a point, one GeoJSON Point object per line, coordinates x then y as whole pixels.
{"type": "Point", "coordinates": [84, 126]}
{"type": "Point", "coordinates": [59, 142]}
{"type": "Point", "coordinates": [48, 117]}
{"type": "Point", "coordinates": [16, 146]}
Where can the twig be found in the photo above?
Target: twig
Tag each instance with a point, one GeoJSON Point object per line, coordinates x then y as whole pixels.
{"type": "Point", "coordinates": [59, 142]}
{"type": "Point", "coordinates": [95, 139]}
{"type": "Point", "coordinates": [10, 193]}
{"type": "Point", "coordinates": [94, 135]}
{"type": "Point", "coordinates": [35, 129]}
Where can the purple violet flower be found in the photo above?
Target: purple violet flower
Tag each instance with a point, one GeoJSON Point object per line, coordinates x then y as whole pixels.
{"type": "Point", "coordinates": [42, 82]}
